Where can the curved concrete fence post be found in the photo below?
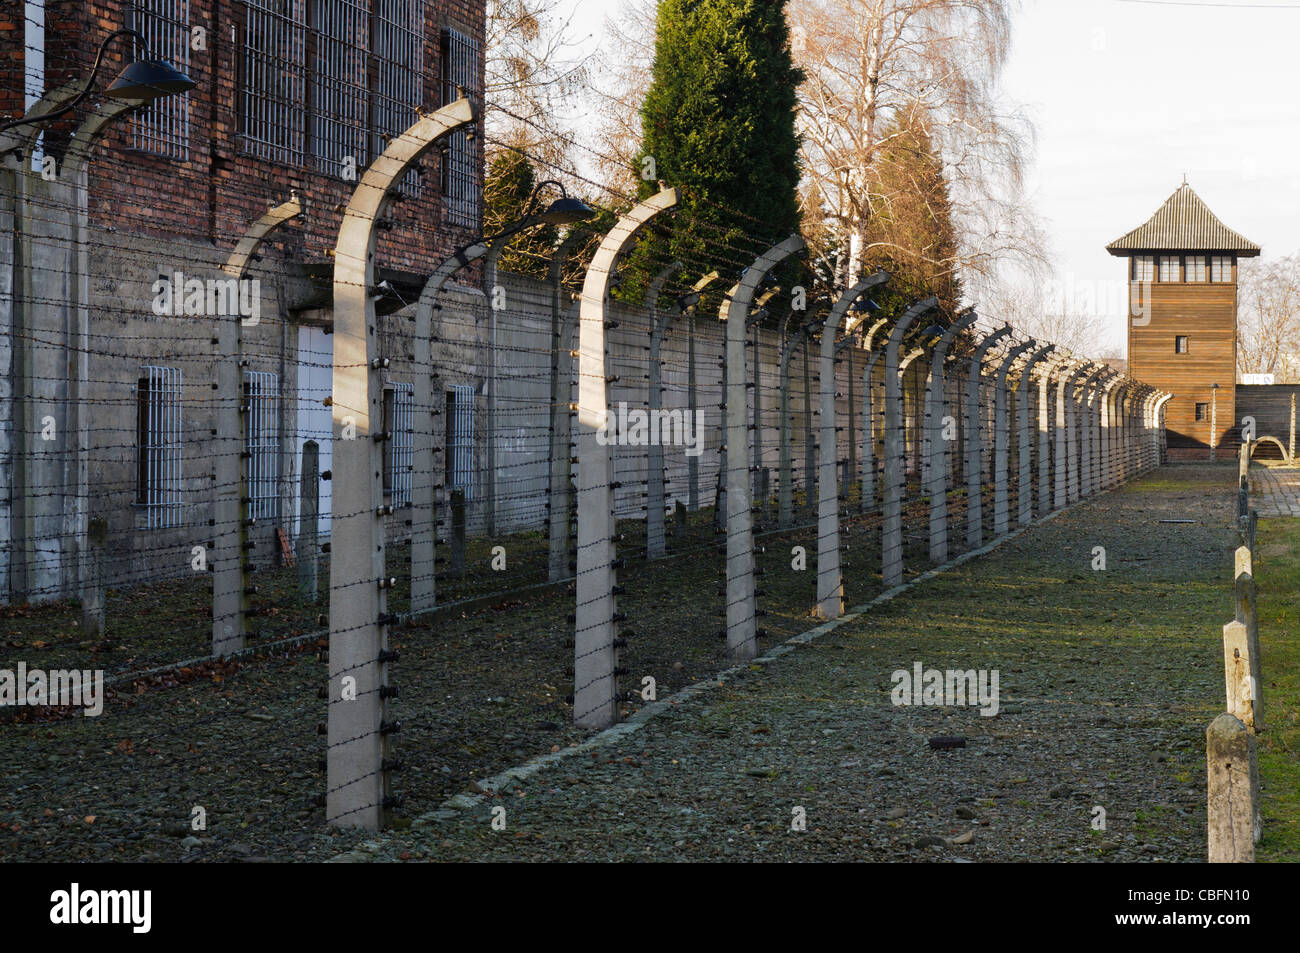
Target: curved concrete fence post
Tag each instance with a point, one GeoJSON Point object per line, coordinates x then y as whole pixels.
{"type": "Point", "coordinates": [1123, 395]}
{"type": "Point", "coordinates": [893, 476]}
{"type": "Point", "coordinates": [830, 584]}
{"type": "Point", "coordinates": [1160, 424]}
{"type": "Point", "coordinates": [1046, 426]}
{"type": "Point", "coordinates": [870, 464]}
{"type": "Point", "coordinates": [1025, 437]}
{"type": "Point", "coordinates": [785, 455]}
{"type": "Point", "coordinates": [974, 445]}
{"type": "Point", "coordinates": [936, 487]}
{"type": "Point", "coordinates": [868, 500]}
{"type": "Point", "coordinates": [1064, 455]}
{"type": "Point", "coordinates": [742, 632]}
{"type": "Point", "coordinates": [1083, 410]}
{"type": "Point", "coordinates": [89, 584]}
{"type": "Point", "coordinates": [230, 579]}
{"type": "Point", "coordinates": [785, 497]}
{"type": "Point", "coordinates": [559, 473]}
{"type": "Point", "coordinates": [1075, 384]}
{"type": "Point", "coordinates": [1152, 438]}
{"type": "Point", "coordinates": [1106, 433]}
{"type": "Point", "coordinates": [759, 488]}
{"type": "Point", "coordinates": [1097, 412]}
{"type": "Point", "coordinates": [654, 525]}
{"type": "Point", "coordinates": [1002, 441]}
{"type": "Point", "coordinates": [357, 789]}
{"type": "Point", "coordinates": [595, 654]}
{"type": "Point", "coordinates": [423, 509]}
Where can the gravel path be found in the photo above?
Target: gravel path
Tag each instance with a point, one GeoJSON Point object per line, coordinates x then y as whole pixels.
{"type": "Point", "coordinates": [1107, 679]}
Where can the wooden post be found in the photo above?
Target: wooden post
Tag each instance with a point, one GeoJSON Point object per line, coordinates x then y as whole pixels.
{"type": "Point", "coordinates": [308, 512]}
{"type": "Point", "coordinates": [679, 514]}
{"type": "Point", "coordinates": [1233, 778]}
{"type": "Point", "coordinates": [1239, 682]}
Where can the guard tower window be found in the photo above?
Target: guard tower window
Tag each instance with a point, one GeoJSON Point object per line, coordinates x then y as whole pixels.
{"type": "Point", "coordinates": [1180, 344]}
{"type": "Point", "coordinates": [1144, 268]}
{"type": "Point", "coordinates": [1195, 268]}
{"type": "Point", "coordinates": [1221, 268]}
{"type": "Point", "coordinates": [1168, 267]}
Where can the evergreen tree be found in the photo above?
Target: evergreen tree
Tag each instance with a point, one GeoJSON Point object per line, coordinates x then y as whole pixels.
{"type": "Point", "coordinates": [719, 124]}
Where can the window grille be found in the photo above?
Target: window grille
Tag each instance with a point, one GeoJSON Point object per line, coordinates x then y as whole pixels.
{"type": "Point", "coordinates": [1195, 266]}
{"type": "Point", "coordinates": [460, 439]}
{"type": "Point", "coordinates": [261, 442]}
{"type": "Point", "coordinates": [158, 445]}
{"type": "Point", "coordinates": [274, 82]}
{"type": "Point", "coordinates": [34, 67]}
{"type": "Point", "coordinates": [1144, 268]}
{"type": "Point", "coordinates": [399, 449]}
{"type": "Point", "coordinates": [1168, 267]}
{"type": "Point", "coordinates": [461, 188]}
{"type": "Point", "coordinates": [1221, 268]}
{"type": "Point", "coordinates": [399, 55]}
{"type": "Point", "coordinates": [338, 85]}
{"type": "Point", "coordinates": [163, 127]}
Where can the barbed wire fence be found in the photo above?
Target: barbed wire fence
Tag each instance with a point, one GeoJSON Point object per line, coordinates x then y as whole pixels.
{"type": "Point", "coordinates": [359, 560]}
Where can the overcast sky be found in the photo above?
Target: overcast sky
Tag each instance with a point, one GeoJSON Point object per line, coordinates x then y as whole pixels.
{"type": "Point", "coordinates": [1128, 97]}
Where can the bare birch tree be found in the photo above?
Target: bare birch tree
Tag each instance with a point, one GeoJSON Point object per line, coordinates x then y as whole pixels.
{"type": "Point", "coordinates": [1268, 325]}
{"type": "Point", "coordinates": [877, 65]}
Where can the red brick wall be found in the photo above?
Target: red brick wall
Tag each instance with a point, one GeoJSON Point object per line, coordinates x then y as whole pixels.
{"type": "Point", "coordinates": [218, 191]}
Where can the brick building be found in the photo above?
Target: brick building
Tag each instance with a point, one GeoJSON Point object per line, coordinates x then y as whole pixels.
{"type": "Point", "coordinates": [292, 96]}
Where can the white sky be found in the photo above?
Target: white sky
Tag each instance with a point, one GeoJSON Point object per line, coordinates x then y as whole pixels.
{"type": "Point", "coordinates": [1127, 97]}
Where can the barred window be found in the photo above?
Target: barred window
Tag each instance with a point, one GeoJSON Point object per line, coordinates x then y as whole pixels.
{"type": "Point", "coordinates": [338, 84]}
{"type": "Point", "coordinates": [261, 442]}
{"type": "Point", "coordinates": [1180, 344]}
{"type": "Point", "coordinates": [399, 68]}
{"type": "Point", "coordinates": [1168, 267]}
{"type": "Point", "coordinates": [461, 187]}
{"type": "Point", "coordinates": [1221, 268]}
{"type": "Point", "coordinates": [163, 127]}
{"type": "Point", "coordinates": [34, 67]}
{"type": "Point", "coordinates": [399, 448]}
{"type": "Point", "coordinates": [273, 85]}
{"type": "Point", "coordinates": [158, 445]}
{"type": "Point", "coordinates": [459, 451]}
{"type": "Point", "coordinates": [1195, 266]}
{"type": "Point", "coordinates": [1144, 268]}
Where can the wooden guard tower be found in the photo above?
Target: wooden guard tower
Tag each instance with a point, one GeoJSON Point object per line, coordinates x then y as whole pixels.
{"type": "Point", "coordinates": [1182, 328]}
